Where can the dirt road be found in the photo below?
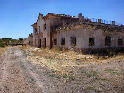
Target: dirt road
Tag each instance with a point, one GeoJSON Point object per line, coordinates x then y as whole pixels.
{"type": "Point", "coordinates": [16, 76]}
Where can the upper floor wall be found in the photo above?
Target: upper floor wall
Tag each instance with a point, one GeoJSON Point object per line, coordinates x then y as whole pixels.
{"type": "Point", "coordinates": [86, 37]}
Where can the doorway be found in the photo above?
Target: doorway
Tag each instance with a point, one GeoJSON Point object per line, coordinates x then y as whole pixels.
{"type": "Point", "coordinates": [45, 42]}
{"type": "Point", "coordinates": [39, 43]}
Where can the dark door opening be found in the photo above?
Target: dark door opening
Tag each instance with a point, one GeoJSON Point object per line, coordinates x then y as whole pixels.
{"type": "Point", "coordinates": [91, 42]}
{"type": "Point", "coordinates": [39, 43]}
{"type": "Point", "coordinates": [44, 42]}
{"type": "Point", "coordinates": [108, 41]}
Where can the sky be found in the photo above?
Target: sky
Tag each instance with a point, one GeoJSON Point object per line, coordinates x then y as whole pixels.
{"type": "Point", "coordinates": [17, 16]}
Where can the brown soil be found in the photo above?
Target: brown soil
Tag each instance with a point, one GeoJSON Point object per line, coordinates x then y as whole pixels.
{"type": "Point", "coordinates": [14, 76]}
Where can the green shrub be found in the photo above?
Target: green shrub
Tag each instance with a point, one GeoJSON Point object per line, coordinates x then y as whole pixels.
{"type": "Point", "coordinates": [1, 44]}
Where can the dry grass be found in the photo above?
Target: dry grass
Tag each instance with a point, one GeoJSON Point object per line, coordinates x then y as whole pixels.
{"type": "Point", "coordinates": [2, 50]}
{"type": "Point", "coordinates": [94, 74]}
{"type": "Point", "coordinates": [63, 62]}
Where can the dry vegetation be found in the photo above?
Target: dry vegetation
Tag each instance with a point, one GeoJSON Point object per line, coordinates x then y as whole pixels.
{"type": "Point", "coordinates": [58, 60]}
{"type": "Point", "coordinates": [2, 50]}
{"type": "Point", "coordinates": [88, 72]}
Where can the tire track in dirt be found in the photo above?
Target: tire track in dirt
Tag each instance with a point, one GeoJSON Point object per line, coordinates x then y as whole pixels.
{"type": "Point", "coordinates": [12, 74]}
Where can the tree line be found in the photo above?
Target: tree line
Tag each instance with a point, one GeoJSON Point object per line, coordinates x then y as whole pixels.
{"type": "Point", "coordinates": [5, 41]}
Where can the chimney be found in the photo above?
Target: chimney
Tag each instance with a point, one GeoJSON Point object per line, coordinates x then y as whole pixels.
{"type": "Point", "coordinates": [99, 20]}
{"type": "Point", "coordinates": [113, 23]}
{"type": "Point", "coordinates": [80, 15]}
{"type": "Point", "coordinates": [40, 15]}
{"type": "Point", "coordinates": [81, 18]}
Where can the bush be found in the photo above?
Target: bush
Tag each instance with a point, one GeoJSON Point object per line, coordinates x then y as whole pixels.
{"type": "Point", "coordinates": [1, 44]}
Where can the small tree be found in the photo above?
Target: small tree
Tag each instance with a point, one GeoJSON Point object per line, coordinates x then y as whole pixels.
{"type": "Point", "coordinates": [1, 44]}
{"type": "Point", "coordinates": [20, 39]}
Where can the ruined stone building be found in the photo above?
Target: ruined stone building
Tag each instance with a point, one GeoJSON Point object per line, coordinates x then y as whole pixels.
{"type": "Point", "coordinates": [28, 40]}
{"type": "Point", "coordinates": [65, 31]}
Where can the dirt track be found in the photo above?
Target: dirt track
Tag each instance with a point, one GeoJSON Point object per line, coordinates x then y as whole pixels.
{"type": "Point", "coordinates": [19, 75]}
{"type": "Point", "coordinates": [15, 76]}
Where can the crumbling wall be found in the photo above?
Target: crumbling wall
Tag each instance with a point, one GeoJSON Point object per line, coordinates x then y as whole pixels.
{"type": "Point", "coordinates": [84, 32]}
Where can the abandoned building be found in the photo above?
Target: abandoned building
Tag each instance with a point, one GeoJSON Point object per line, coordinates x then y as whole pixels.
{"type": "Point", "coordinates": [28, 40]}
{"type": "Point", "coordinates": [65, 31]}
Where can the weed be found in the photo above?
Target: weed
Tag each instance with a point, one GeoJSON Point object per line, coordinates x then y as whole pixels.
{"type": "Point", "coordinates": [31, 80]}
{"type": "Point", "coordinates": [55, 76]}
{"type": "Point", "coordinates": [111, 71]}
{"type": "Point", "coordinates": [65, 76]}
{"type": "Point", "coordinates": [90, 73]}
{"type": "Point", "coordinates": [108, 70]}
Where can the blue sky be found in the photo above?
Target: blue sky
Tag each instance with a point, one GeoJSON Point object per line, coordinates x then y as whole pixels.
{"type": "Point", "coordinates": [16, 16]}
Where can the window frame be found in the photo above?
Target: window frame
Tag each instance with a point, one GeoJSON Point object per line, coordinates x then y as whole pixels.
{"type": "Point", "coordinates": [55, 41]}
{"type": "Point", "coordinates": [120, 41]}
{"type": "Point", "coordinates": [108, 41]}
{"type": "Point", "coordinates": [91, 41]}
{"type": "Point", "coordinates": [45, 26]}
{"type": "Point", "coordinates": [39, 29]}
{"type": "Point", "coordinates": [62, 41]}
{"type": "Point", "coordinates": [73, 40]}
